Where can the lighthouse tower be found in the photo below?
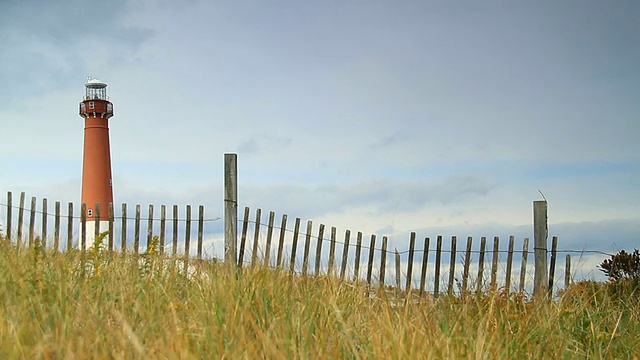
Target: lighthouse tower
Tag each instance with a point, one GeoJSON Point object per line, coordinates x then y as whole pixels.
{"type": "Point", "coordinates": [96, 109]}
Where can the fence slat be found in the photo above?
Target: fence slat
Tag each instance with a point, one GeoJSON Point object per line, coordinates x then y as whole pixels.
{"type": "Point", "coordinates": [383, 261]}
{"type": "Point", "coordinates": [70, 227]}
{"type": "Point", "coordinates": [83, 227]}
{"type": "Point", "coordinates": [294, 245]}
{"type": "Point", "coordinates": [507, 284]}
{"type": "Point", "coordinates": [123, 244]}
{"type": "Point", "coordinates": [345, 253]}
{"type": "Point", "coordinates": [283, 229]}
{"type": "Point", "coordinates": [452, 265]}
{"type": "Point", "coordinates": [567, 271]}
{"type": "Point", "coordinates": [96, 223]}
{"type": "Point", "coordinates": [150, 227]}
{"type": "Point", "coordinates": [552, 266]}
{"type": "Point", "coordinates": [175, 230]}
{"type": "Point", "coordinates": [436, 285]}
{"type": "Point", "coordinates": [136, 233]}
{"type": "Point", "coordinates": [425, 259]}
{"type": "Point", "coordinates": [307, 244]}
{"type": "Point", "coordinates": [494, 264]}
{"type": "Point", "coordinates": [20, 218]}
{"type": "Point", "coordinates": [398, 271]}
{"type": "Point", "coordinates": [332, 250]}
{"type": "Point", "coordinates": [412, 246]}
{"type": "Point", "coordinates": [467, 262]}
{"type": "Point", "coordinates": [9, 214]}
{"type": "Point", "coordinates": [187, 239]}
{"type": "Point", "coordinates": [200, 230]}
{"type": "Point", "coordinates": [256, 237]}
{"type": "Point", "coordinates": [243, 236]}
{"type": "Point", "coordinates": [32, 220]}
{"type": "Point", "coordinates": [56, 227]}
{"type": "Point", "coordinates": [483, 244]}
{"type": "Point", "coordinates": [372, 248]}
{"type": "Point", "coordinates": [319, 249]}
{"type": "Point", "coordinates": [267, 251]}
{"type": "Point", "coordinates": [356, 269]}
{"type": "Point", "coordinates": [187, 236]}
{"type": "Point", "coordinates": [44, 223]}
{"type": "Point", "coordinates": [163, 224]}
{"type": "Point", "coordinates": [523, 264]}
{"type": "Point", "coordinates": [111, 233]}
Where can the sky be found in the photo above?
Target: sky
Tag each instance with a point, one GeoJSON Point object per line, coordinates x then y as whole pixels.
{"type": "Point", "coordinates": [382, 117]}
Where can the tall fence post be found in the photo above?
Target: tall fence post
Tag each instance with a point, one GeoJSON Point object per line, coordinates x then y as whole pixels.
{"type": "Point", "coordinates": [540, 232]}
{"type": "Point", "coordinates": [230, 208]}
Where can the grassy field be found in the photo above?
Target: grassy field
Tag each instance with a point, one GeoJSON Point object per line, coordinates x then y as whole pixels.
{"type": "Point", "coordinates": [66, 306]}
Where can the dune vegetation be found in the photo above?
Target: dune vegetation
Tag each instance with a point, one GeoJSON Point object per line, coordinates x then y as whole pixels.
{"type": "Point", "coordinates": [98, 304]}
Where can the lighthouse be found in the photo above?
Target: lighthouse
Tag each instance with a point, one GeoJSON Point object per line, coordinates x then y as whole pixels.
{"type": "Point", "coordinates": [96, 109]}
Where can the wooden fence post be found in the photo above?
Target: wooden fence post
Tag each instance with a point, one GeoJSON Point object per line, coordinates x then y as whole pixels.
{"type": "Point", "coordinates": [540, 231]}
{"type": "Point", "coordinates": [345, 253]}
{"type": "Point", "coordinates": [9, 215]}
{"type": "Point", "coordinates": [383, 261]}
{"type": "Point", "coordinates": [372, 248]}
{"type": "Point", "coordinates": [452, 265]}
{"type": "Point", "coordinates": [307, 244]}
{"type": "Point", "coordinates": [552, 266]}
{"type": "Point", "coordinates": [567, 271]}
{"type": "Point", "coordinates": [483, 244]}
{"type": "Point", "coordinates": [32, 220]}
{"type": "Point", "coordinates": [294, 246]}
{"type": "Point", "coordinates": [243, 237]}
{"type": "Point", "coordinates": [123, 245]}
{"type": "Point", "coordinates": [319, 249]}
{"type": "Point", "coordinates": [163, 219]}
{"type": "Point", "coordinates": [111, 233]}
{"type": "Point", "coordinates": [44, 223]}
{"type": "Point", "coordinates": [20, 218]}
{"type": "Point", "coordinates": [267, 251]}
{"type": "Point", "coordinates": [398, 272]}
{"type": "Point", "coordinates": [356, 269]}
{"type": "Point", "coordinates": [494, 264]}
{"type": "Point", "coordinates": [436, 285]}
{"type": "Point", "coordinates": [467, 262]}
{"type": "Point", "coordinates": [149, 227]}
{"type": "Point", "coordinates": [83, 227]}
{"type": "Point", "coordinates": [70, 227]}
{"type": "Point", "coordinates": [200, 230]}
{"type": "Point", "coordinates": [507, 284]}
{"type": "Point", "coordinates": [332, 251]}
{"type": "Point", "coordinates": [230, 208]}
{"type": "Point", "coordinates": [56, 227]}
{"type": "Point", "coordinates": [425, 259]}
{"type": "Point", "coordinates": [412, 245]}
{"type": "Point", "coordinates": [283, 229]}
{"type": "Point", "coordinates": [523, 264]}
{"type": "Point", "coordinates": [187, 239]}
{"type": "Point", "coordinates": [256, 237]}
{"type": "Point", "coordinates": [136, 231]}
{"type": "Point", "coordinates": [175, 230]}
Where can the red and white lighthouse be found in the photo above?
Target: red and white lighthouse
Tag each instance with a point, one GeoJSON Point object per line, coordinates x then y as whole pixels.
{"type": "Point", "coordinates": [96, 109]}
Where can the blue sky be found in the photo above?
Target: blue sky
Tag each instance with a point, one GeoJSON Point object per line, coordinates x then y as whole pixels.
{"type": "Point", "coordinates": [435, 117]}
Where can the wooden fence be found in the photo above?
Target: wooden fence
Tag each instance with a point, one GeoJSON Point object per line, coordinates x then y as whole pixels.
{"type": "Point", "coordinates": [167, 243]}
{"type": "Point", "coordinates": [267, 246]}
{"type": "Point", "coordinates": [280, 247]}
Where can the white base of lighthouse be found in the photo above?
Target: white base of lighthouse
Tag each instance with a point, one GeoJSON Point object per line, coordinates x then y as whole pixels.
{"type": "Point", "coordinates": [90, 234]}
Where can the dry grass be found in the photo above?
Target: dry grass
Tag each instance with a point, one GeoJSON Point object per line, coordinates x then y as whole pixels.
{"type": "Point", "coordinates": [57, 306]}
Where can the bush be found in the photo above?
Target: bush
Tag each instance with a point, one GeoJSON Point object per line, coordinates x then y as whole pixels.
{"type": "Point", "coordinates": [622, 265]}
{"type": "Point", "coordinates": [623, 270]}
